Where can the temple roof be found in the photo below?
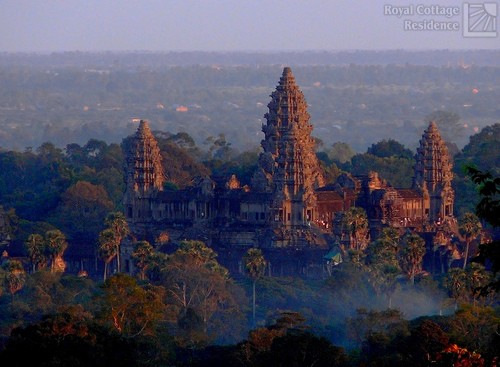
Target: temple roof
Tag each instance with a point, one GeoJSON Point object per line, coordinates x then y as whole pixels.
{"type": "Point", "coordinates": [144, 130]}
{"type": "Point", "coordinates": [287, 78]}
{"type": "Point", "coordinates": [432, 126]}
{"type": "Point", "coordinates": [328, 195]}
{"type": "Point", "coordinates": [409, 193]}
{"type": "Point", "coordinates": [288, 106]}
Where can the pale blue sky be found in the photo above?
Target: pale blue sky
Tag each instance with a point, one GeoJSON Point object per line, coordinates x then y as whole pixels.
{"type": "Point", "coordinates": [220, 25]}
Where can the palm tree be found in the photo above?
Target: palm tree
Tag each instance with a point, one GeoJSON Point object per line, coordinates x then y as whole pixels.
{"type": "Point", "coordinates": [411, 255]}
{"type": "Point", "coordinates": [107, 248]}
{"type": "Point", "coordinates": [255, 266]}
{"type": "Point", "coordinates": [356, 222]}
{"type": "Point", "coordinates": [477, 278]}
{"type": "Point", "coordinates": [116, 222]}
{"type": "Point", "coordinates": [390, 236]}
{"type": "Point", "coordinates": [469, 227]}
{"type": "Point", "coordinates": [142, 257]}
{"type": "Point", "coordinates": [383, 263]}
{"type": "Point", "coordinates": [55, 244]}
{"type": "Point", "coordinates": [35, 246]}
{"type": "Point", "coordinates": [455, 282]}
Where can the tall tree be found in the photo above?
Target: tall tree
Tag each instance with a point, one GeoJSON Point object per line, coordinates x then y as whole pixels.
{"type": "Point", "coordinates": [142, 257]}
{"type": "Point", "coordinates": [132, 310]}
{"type": "Point", "coordinates": [107, 248]}
{"type": "Point", "coordinates": [456, 284]}
{"type": "Point", "coordinates": [356, 223]}
{"type": "Point", "coordinates": [470, 228]}
{"type": "Point", "coordinates": [464, 285]}
{"type": "Point", "coordinates": [383, 263]}
{"type": "Point", "coordinates": [198, 287]}
{"type": "Point", "coordinates": [255, 267]}
{"type": "Point", "coordinates": [35, 246]}
{"type": "Point", "coordinates": [116, 222]}
{"type": "Point", "coordinates": [411, 255]}
{"type": "Point", "coordinates": [477, 278]}
{"type": "Point", "coordinates": [55, 245]}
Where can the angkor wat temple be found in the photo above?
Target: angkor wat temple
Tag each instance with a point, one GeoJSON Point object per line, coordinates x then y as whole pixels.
{"type": "Point", "coordinates": [289, 210]}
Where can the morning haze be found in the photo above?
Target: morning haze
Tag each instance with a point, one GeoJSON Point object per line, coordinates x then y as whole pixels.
{"type": "Point", "coordinates": [225, 25]}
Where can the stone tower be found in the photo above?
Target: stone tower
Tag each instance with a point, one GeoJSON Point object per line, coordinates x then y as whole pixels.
{"type": "Point", "coordinates": [433, 175]}
{"type": "Point", "coordinates": [289, 168]}
{"type": "Point", "coordinates": [144, 176]}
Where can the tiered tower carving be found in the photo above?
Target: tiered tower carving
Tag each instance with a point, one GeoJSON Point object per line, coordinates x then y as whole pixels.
{"type": "Point", "coordinates": [433, 176]}
{"type": "Point", "coordinates": [145, 176]}
{"type": "Point", "coordinates": [289, 168]}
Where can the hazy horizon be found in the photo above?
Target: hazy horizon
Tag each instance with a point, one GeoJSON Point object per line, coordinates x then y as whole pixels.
{"type": "Point", "coordinates": [243, 26]}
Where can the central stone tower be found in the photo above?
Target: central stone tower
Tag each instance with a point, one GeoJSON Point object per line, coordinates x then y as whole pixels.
{"type": "Point", "coordinates": [144, 178]}
{"type": "Point", "coordinates": [289, 168]}
{"type": "Point", "coordinates": [433, 176]}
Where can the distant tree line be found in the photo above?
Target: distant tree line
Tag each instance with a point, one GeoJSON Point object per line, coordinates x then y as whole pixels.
{"type": "Point", "coordinates": [64, 104]}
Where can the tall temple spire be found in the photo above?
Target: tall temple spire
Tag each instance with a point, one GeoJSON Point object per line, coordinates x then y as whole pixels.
{"type": "Point", "coordinates": [433, 174]}
{"type": "Point", "coordinates": [289, 166]}
{"type": "Point", "coordinates": [144, 161]}
{"type": "Point", "coordinates": [145, 176]}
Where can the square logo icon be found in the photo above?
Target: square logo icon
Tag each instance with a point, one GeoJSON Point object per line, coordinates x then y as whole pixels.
{"type": "Point", "coordinates": [480, 20]}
